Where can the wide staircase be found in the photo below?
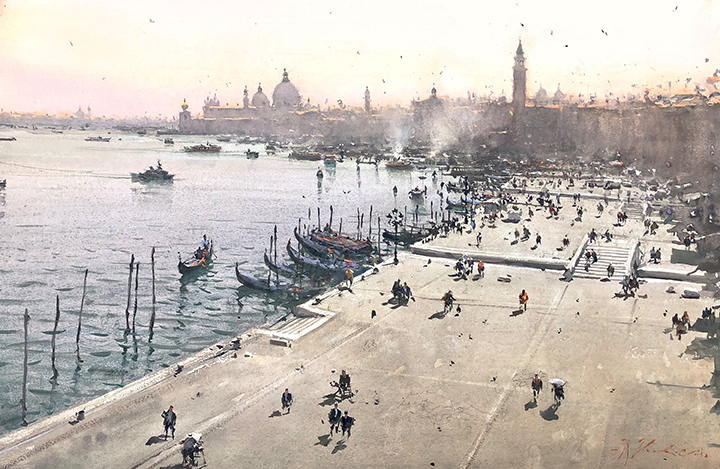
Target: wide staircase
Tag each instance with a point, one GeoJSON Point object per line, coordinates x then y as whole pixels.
{"type": "Point", "coordinates": [615, 252]}
{"type": "Point", "coordinates": [634, 210]}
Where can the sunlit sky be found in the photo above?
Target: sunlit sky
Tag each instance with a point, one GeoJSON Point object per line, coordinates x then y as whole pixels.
{"type": "Point", "coordinates": [136, 58]}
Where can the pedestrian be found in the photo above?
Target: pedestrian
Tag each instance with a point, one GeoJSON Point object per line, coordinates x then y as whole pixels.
{"type": "Point", "coordinates": [610, 270]}
{"type": "Point", "coordinates": [558, 389]}
{"type": "Point", "coordinates": [523, 297]}
{"type": "Point", "coordinates": [481, 269]}
{"type": "Point", "coordinates": [349, 275]}
{"type": "Point", "coordinates": [478, 239]}
{"type": "Point", "coordinates": [593, 254]}
{"type": "Point", "coordinates": [334, 418]}
{"type": "Point", "coordinates": [286, 400]}
{"type": "Point", "coordinates": [169, 419]}
{"type": "Point", "coordinates": [517, 234]}
{"type": "Point", "coordinates": [538, 239]}
{"type": "Point", "coordinates": [537, 385]}
{"type": "Point", "coordinates": [347, 422]}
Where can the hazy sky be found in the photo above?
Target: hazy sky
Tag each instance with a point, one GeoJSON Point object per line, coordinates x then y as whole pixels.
{"type": "Point", "coordinates": [134, 57]}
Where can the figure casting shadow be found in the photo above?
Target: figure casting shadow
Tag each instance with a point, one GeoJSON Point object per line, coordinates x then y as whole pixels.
{"type": "Point", "coordinates": [549, 413]}
{"type": "Point", "coordinates": [339, 447]}
{"type": "Point", "coordinates": [517, 312]}
{"type": "Point", "coordinates": [323, 440]}
{"type": "Point", "coordinates": [155, 439]}
{"type": "Point", "coordinates": [530, 405]}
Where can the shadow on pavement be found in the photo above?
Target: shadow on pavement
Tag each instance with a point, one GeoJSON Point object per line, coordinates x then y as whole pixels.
{"type": "Point", "coordinates": [323, 440]}
{"type": "Point", "coordinates": [156, 439]}
{"type": "Point", "coordinates": [530, 405]}
{"type": "Point", "coordinates": [549, 413]}
{"type": "Point", "coordinates": [438, 315]}
{"type": "Point", "coordinates": [339, 447]}
{"type": "Point", "coordinates": [276, 413]}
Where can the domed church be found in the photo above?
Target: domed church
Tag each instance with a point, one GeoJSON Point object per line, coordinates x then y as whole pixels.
{"type": "Point", "coordinates": [285, 94]}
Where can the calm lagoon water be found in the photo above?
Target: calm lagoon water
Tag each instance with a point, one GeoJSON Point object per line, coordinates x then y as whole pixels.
{"type": "Point", "coordinates": [70, 205]}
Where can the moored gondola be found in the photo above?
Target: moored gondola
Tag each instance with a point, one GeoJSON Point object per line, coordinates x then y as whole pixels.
{"type": "Point", "coordinates": [266, 286]}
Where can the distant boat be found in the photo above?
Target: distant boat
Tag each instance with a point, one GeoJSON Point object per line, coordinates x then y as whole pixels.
{"type": "Point", "coordinates": [98, 139]}
{"type": "Point", "coordinates": [56, 131]}
{"type": "Point", "coordinates": [169, 141]}
{"type": "Point", "coordinates": [7, 139]}
{"type": "Point", "coordinates": [203, 147]}
{"type": "Point", "coordinates": [153, 174]}
{"type": "Point", "coordinates": [142, 132]}
{"type": "Point", "coordinates": [417, 194]}
{"type": "Point", "coordinates": [306, 156]}
{"type": "Point", "coordinates": [404, 165]}
{"type": "Point", "coordinates": [270, 148]}
{"type": "Point", "coordinates": [330, 160]}
{"type": "Point", "coordinates": [251, 154]}
{"type": "Point", "coordinates": [264, 285]}
{"type": "Point", "coordinates": [223, 139]}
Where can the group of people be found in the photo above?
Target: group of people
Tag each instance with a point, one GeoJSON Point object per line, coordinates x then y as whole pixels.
{"type": "Point", "coordinates": [558, 388]}
{"type": "Point", "coordinates": [401, 292]}
{"type": "Point", "coordinates": [202, 251]}
{"type": "Point", "coordinates": [191, 445]}
{"type": "Point", "coordinates": [339, 420]}
{"type": "Point", "coordinates": [651, 226]}
{"type": "Point", "coordinates": [681, 325]}
{"type": "Point", "coordinates": [655, 255]}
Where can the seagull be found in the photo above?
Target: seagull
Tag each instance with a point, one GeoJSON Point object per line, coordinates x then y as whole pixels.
{"type": "Point", "coordinates": [152, 20]}
{"type": "Point", "coordinates": [71, 43]}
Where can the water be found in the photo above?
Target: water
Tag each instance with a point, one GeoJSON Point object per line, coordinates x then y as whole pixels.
{"type": "Point", "coordinates": [70, 205]}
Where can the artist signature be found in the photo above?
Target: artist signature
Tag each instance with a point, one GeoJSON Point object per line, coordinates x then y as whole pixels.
{"type": "Point", "coordinates": [629, 449]}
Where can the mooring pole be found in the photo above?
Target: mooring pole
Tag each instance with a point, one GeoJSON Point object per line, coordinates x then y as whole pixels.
{"type": "Point", "coordinates": [137, 271]}
{"type": "Point", "coordinates": [82, 302]}
{"type": "Point", "coordinates": [318, 219]}
{"type": "Point", "coordinates": [370, 224]}
{"type": "Point", "coordinates": [277, 272]}
{"type": "Point", "coordinates": [25, 360]}
{"type": "Point", "coordinates": [52, 341]}
{"type": "Point", "coordinates": [331, 215]}
{"type": "Point", "coordinates": [127, 308]}
{"type": "Point", "coordinates": [152, 267]}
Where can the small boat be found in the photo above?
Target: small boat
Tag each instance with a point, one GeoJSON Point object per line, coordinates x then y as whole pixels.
{"type": "Point", "coordinates": [417, 194]}
{"type": "Point", "coordinates": [7, 139]}
{"type": "Point", "coordinates": [316, 264]}
{"type": "Point", "coordinates": [330, 160]}
{"type": "Point", "coordinates": [251, 154]}
{"type": "Point", "coordinates": [153, 174]}
{"type": "Point", "coordinates": [405, 236]}
{"type": "Point", "coordinates": [98, 139]}
{"type": "Point", "coordinates": [306, 156]}
{"type": "Point", "coordinates": [223, 139]}
{"type": "Point", "coordinates": [281, 269]}
{"type": "Point", "coordinates": [142, 132]}
{"type": "Point", "coordinates": [398, 165]}
{"type": "Point", "coordinates": [169, 141]}
{"type": "Point", "coordinates": [199, 260]}
{"type": "Point", "coordinates": [270, 148]}
{"type": "Point", "coordinates": [342, 244]}
{"type": "Point", "coordinates": [267, 286]}
{"type": "Point", "coordinates": [319, 174]}
{"type": "Point", "coordinates": [56, 131]}
{"type": "Point", "coordinates": [203, 148]}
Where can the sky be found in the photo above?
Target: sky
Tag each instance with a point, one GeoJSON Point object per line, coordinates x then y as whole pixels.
{"type": "Point", "coordinates": [143, 57]}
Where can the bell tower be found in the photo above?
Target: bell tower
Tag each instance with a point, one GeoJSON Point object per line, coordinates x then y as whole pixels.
{"type": "Point", "coordinates": [519, 78]}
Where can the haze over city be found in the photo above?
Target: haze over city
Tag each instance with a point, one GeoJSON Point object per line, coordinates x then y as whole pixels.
{"type": "Point", "coordinates": [138, 58]}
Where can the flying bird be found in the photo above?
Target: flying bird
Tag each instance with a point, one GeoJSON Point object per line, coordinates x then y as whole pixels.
{"type": "Point", "coordinates": [71, 43]}
{"type": "Point", "coordinates": [152, 20]}
{"type": "Point", "coordinates": [603, 31]}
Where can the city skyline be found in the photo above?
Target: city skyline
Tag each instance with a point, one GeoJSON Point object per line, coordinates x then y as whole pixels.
{"type": "Point", "coordinates": [138, 59]}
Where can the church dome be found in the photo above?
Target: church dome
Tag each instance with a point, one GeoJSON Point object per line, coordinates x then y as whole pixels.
{"type": "Point", "coordinates": [259, 99]}
{"type": "Point", "coordinates": [285, 94]}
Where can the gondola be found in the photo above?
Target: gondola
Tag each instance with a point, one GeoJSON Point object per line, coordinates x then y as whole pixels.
{"type": "Point", "coordinates": [325, 250]}
{"type": "Point", "coordinates": [405, 236]}
{"type": "Point", "coordinates": [195, 264]}
{"type": "Point", "coordinates": [339, 242]}
{"type": "Point", "coordinates": [281, 269]}
{"type": "Point", "coordinates": [318, 265]}
{"type": "Point", "coordinates": [266, 286]}
{"type": "Point", "coordinates": [251, 154]}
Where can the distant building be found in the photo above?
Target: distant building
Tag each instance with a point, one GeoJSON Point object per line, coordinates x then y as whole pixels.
{"type": "Point", "coordinates": [367, 100]}
{"type": "Point", "coordinates": [285, 94]}
{"type": "Point", "coordinates": [259, 100]}
{"type": "Point", "coordinates": [519, 81]}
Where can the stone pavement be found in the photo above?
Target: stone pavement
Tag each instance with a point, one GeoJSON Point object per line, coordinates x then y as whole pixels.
{"type": "Point", "coordinates": [431, 390]}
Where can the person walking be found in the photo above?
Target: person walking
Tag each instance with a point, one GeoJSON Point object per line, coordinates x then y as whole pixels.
{"type": "Point", "coordinates": [558, 389]}
{"type": "Point", "coordinates": [593, 254]}
{"type": "Point", "coordinates": [538, 239]}
{"type": "Point", "coordinates": [349, 275]}
{"type": "Point", "coordinates": [169, 419]}
{"type": "Point", "coordinates": [478, 239]}
{"type": "Point", "coordinates": [481, 269]}
{"type": "Point", "coordinates": [286, 400]}
{"type": "Point", "coordinates": [347, 422]}
{"type": "Point", "coordinates": [610, 270]}
{"type": "Point", "coordinates": [523, 297]}
{"type": "Point", "coordinates": [537, 385]}
{"type": "Point", "coordinates": [334, 418]}
{"type": "Point", "coordinates": [448, 299]}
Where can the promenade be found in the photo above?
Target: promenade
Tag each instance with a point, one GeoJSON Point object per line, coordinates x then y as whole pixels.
{"type": "Point", "coordinates": [431, 390]}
